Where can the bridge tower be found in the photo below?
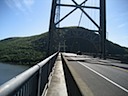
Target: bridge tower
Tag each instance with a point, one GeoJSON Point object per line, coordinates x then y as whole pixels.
{"type": "Point", "coordinates": [55, 19]}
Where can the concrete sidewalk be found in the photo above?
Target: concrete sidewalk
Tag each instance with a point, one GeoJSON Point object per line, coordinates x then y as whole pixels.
{"type": "Point", "coordinates": [57, 86]}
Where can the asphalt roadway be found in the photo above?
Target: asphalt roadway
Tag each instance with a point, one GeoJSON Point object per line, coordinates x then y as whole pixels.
{"type": "Point", "coordinates": [100, 77]}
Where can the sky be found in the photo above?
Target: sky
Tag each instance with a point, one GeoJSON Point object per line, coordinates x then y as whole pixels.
{"type": "Point", "coordinates": [19, 18]}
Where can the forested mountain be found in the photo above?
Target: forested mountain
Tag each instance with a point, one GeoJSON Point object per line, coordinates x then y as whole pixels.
{"type": "Point", "coordinates": [33, 49]}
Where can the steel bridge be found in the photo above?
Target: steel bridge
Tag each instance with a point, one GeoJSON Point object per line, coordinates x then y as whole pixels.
{"type": "Point", "coordinates": [69, 74]}
{"type": "Point", "coordinates": [55, 20]}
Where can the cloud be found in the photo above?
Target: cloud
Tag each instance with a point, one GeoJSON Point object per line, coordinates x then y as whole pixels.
{"type": "Point", "coordinates": [28, 3]}
{"type": "Point", "coordinates": [125, 24]}
{"type": "Point", "coordinates": [9, 3]}
{"type": "Point", "coordinates": [20, 5]}
{"type": "Point", "coordinates": [118, 16]}
{"type": "Point", "coordinates": [121, 25]}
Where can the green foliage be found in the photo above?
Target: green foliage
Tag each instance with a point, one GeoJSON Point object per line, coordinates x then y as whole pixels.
{"type": "Point", "coordinates": [31, 50]}
{"type": "Point", "coordinates": [21, 50]}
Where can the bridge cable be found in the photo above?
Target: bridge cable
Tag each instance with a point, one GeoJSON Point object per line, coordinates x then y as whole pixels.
{"type": "Point", "coordinates": [81, 16]}
{"type": "Point", "coordinates": [93, 13]}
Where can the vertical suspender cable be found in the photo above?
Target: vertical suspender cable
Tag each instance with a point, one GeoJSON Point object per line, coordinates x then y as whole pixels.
{"type": "Point", "coordinates": [80, 17]}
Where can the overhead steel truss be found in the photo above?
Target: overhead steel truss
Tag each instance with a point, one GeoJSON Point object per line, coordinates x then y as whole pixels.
{"type": "Point", "coordinates": [55, 20]}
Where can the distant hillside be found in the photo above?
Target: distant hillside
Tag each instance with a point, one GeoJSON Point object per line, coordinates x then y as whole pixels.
{"type": "Point", "coordinates": [30, 50]}
{"type": "Point", "coordinates": [23, 50]}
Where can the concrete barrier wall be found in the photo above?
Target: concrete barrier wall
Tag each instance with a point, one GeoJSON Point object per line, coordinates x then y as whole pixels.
{"type": "Point", "coordinates": [72, 87]}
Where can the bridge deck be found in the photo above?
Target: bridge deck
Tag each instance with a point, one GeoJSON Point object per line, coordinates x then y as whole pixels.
{"type": "Point", "coordinates": [96, 77]}
{"type": "Point", "coordinates": [82, 75]}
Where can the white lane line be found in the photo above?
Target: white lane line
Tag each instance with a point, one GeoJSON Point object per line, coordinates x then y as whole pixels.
{"type": "Point", "coordinates": [126, 90]}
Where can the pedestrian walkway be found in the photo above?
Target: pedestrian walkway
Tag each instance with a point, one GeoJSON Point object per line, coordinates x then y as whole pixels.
{"type": "Point", "coordinates": [57, 85]}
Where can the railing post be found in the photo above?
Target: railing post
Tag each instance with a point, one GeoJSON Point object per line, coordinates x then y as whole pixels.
{"type": "Point", "coordinates": [39, 81]}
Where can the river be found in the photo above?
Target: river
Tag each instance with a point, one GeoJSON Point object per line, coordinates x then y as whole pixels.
{"type": "Point", "coordinates": [8, 71]}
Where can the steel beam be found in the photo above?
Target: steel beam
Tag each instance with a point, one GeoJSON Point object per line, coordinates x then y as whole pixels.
{"type": "Point", "coordinates": [87, 15]}
{"type": "Point", "coordinates": [103, 27]}
{"type": "Point", "coordinates": [51, 27]}
{"type": "Point", "coordinates": [69, 13]}
{"type": "Point", "coordinates": [78, 6]}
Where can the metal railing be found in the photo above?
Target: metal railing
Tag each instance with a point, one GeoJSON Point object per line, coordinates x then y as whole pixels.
{"type": "Point", "coordinates": [32, 82]}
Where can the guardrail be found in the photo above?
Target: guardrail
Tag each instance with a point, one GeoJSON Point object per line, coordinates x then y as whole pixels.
{"type": "Point", "coordinates": [32, 82]}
